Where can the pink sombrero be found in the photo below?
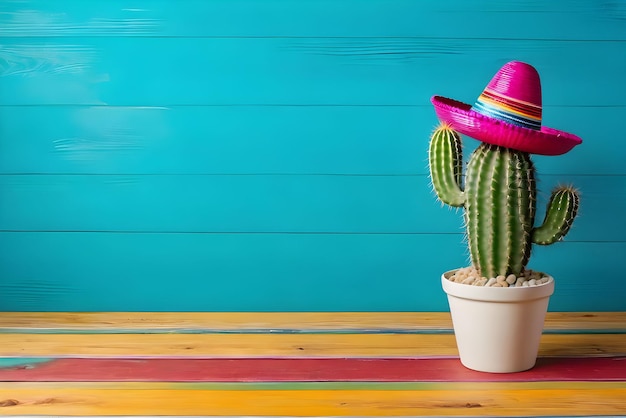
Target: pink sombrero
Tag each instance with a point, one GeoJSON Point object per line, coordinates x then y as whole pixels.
{"type": "Point", "coordinates": [508, 114]}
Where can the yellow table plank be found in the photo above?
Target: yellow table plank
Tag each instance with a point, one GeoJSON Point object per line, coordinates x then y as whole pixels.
{"type": "Point", "coordinates": [282, 320]}
{"type": "Point", "coordinates": [283, 345]}
{"type": "Point", "coordinates": [225, 321]}
{"type": "Point", "coordinates": [432, 400]}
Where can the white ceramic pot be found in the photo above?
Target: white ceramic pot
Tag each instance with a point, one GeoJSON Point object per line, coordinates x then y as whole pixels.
{"type": "Point", "coordinates": [497, 329]}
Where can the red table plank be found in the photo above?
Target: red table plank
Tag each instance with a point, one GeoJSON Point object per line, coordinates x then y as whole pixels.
{"type": "Point", "coordinates": [305, 370]}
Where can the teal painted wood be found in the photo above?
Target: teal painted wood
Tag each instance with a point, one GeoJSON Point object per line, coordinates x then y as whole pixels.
{"type": "Point", "coordinates": [272, 203]}
{"type": "Point", "coordinates": [215, 140]}
{"type": "Point", "coordinates": [281, 145]}
{"type": "Point", "coordinates": [348, 71]}
{"type": "Point", "coordinates": [25, 362]}
{"type": "Point", "coordinates": [269, 272]}
{"type": "Point", "coordinates": [535, 19]}
{"type": "Point", "coordinates": [387, 140]}
{"type": "Point", "coordinates": [199, 203]}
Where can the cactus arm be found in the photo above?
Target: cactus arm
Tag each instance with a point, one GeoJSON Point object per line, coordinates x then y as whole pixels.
{"type": "Point", "coordinates": [446, 165]}
{"type": "Point", "coordinates": [562, 209]}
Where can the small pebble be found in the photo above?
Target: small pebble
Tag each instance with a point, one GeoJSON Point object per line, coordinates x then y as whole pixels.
{"type": "Point", "coordinates": [470, 276]}
{"type": "Point", "coordinates": [469, 280]}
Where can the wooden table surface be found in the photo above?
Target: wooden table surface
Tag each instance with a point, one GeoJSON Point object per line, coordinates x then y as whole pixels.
{"type": "Point", "coordinates": [297, 364]}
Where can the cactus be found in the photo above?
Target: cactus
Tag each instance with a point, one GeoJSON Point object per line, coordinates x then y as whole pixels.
{"type": "Point", "coordinates": [499, 198]}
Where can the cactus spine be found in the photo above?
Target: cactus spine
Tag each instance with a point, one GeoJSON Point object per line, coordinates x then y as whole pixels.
{"type": "Point", "coordinates": [499, 198]}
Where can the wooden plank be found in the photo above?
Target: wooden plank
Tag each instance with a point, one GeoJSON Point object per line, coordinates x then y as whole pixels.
{"type": "Point", "coordinates": [582, 19]}
{"type": "Point", "coordinates": [283, 272]}
{"type": "Point", "coordinates": [205, 272]}
{"type": "Point", "coordinates": [585, 320]}
{"type": "Point", "coordinates": [232, 345]}
{"type": "Point", "coordinates": [310, 386]}
{"type": "Point", "coordinates": [303, 370]}
{"type": "Point", "coordinates": [283, 345]}
{"type": "Point", "coordinates": [213, 416]}
{"type": "Point", "coordinates": [258, 321]}
{"type": "Point", "coordinates": [389, 140]}
{"type": "Point", "coordinates": [210, 139]}
{"type": "Point", "coordinates": [282, 203]}
{"type": "Point", "coordinates": [326, 71]}
{"type": "Point", "coordinates": [199, 203]}
{"type": "Point", "coordinates": [512, 399]}
{"type": "Point", "coordinates": [306, 322]}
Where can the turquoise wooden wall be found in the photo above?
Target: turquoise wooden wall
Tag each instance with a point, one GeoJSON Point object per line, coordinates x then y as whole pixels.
{"type": "Point", "coordinates": [241, 155]}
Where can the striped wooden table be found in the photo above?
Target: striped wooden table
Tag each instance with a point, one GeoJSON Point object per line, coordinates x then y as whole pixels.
{"type": "Point", "coordinates": [296, 364]}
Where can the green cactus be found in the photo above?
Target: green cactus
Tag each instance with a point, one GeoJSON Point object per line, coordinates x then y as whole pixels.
{"type": "Point", "coordinates": [499, 198]}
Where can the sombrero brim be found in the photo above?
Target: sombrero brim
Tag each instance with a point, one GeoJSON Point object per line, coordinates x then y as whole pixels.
{"type": "Point", "coordinates": [463, 119]}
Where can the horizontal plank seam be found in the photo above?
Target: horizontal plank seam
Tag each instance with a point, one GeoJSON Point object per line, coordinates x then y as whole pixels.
{"type": "Point", "coordinates": [148, 232]}
{"type": "Point", "coordinates": [288, 105]}
{"type": "Point", "coordinates": [321, 385]}
{"type": "Point", "coordinates": [355, 331]}
{"type": "Point", "coordinates": [183, 105]}
{"type": "Point", "coordinates": [18, 36]}
{"type": "Point", "coordinates": [95, 231]}
{"type": "Point", "coordinates": [264, 174]}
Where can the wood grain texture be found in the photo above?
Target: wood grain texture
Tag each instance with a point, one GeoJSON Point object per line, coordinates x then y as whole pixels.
{"type": "Point", "coordinates": [513, 399]}
{"type": "Point", "coordinates": [303, 370]}
{"type": "Point", "coordinates": [370, 71]}
{"type": "Point", "coordinates": [287, 380]}
{"type": "Point", "coordinates": [283, 345]}
{"type": "Point", "coordinates": [581, 19]}
{"type": "Point", "coordinates": [366, 140]}
{"type": "Point", "coordinates": [247, 322]}
{"type": "Point", "coordinates": [205, 272]}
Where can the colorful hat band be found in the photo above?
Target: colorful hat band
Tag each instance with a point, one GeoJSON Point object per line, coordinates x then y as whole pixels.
{"type": "Point", "coordinates": [509, 110]}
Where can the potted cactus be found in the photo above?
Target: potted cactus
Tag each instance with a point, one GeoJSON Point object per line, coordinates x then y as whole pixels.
{"type": "Point", "coordinates": [498, 306]}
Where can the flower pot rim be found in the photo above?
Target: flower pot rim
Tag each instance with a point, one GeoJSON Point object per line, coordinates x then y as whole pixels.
{"type": "Point", "coordinates": [497, 294]}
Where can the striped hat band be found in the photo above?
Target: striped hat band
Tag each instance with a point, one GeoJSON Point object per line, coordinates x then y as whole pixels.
{"type": "Point", "coordinates": [508, 109]}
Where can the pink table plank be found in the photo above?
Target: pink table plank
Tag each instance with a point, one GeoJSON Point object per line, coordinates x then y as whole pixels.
{"type": "Point", "coordinates": [305, 370]}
